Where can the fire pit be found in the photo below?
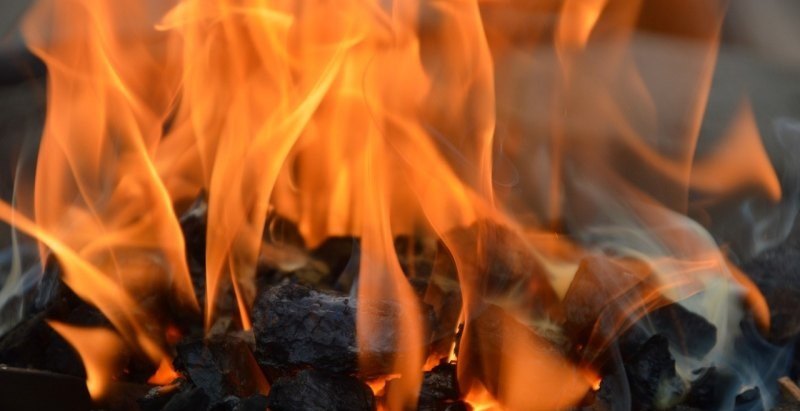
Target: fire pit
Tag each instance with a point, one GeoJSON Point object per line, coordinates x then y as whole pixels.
{"type": "Point", "coordinates": [434, 205]}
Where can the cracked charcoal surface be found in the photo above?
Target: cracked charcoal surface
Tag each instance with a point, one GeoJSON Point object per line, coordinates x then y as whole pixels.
{"type": "Point", "coordinates": [296, 327]}
{"type": "Point", "coordinates": [319, 391]}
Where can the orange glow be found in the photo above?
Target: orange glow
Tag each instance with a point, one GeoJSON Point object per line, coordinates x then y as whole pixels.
{"type": "Point", "coordinates": [99, 349]}
{"type": "Point", "coordinates": [165, 374]}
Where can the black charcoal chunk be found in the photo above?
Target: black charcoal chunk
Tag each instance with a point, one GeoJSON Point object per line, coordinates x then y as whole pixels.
{"type": "Point", "coordinates": [748, 396]}
{"type": "Point", "coordinates": [651, 374]}
{"type": "Point", "coordinates": [776, 273]}
{"type": "Point", "coordinates": [159, 396]}
{"type": "Point", "coordinates": [710, 388]}
{"type": "Point", "coordinates": [439, 388]}
{"type": "Point", "coordinates": [296, 327]}
{"type": "Point", "coordinates": [196, 360]}
{"type": "Point", "coordinates": [255, 403]}
{"type": "Point", "coordinates": [319, 391]}
{"type": "Point", "coordinates": [194, 399]}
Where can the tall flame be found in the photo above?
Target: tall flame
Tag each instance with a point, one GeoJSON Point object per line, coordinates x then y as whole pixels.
{"type": "Point", "coordinates": [527, 136]}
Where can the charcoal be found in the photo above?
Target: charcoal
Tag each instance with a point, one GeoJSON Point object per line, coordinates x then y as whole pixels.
{"type": "Point", "coordinates": [688, 333]}
{"type": "Point", "coordinates": [220, 366]}
{"type": "Point", "coordinates": [443, 294]}
{"type": "Point", "coordinates": [319, 391]}
{"type": "Point", "coordinates": [439, 388]}
{"type": "Point", "coordinates": [776, 273]}
{"type": "Point", "coordinates": [228, 403]}
{"type": "Point", "coordinates": [749, 396]}
{"type": "Point", "coordinates": [193, 224]}
{"type": "Point", "coordinates": [485, 345]}
{"type": "Point", "coordinates": [158, 397]}
{"type": "Point", "coordinates": [604, 290]}
{"type": "Point", "coordinates": [601, 292]}
{"type": "Point", "coordinates": [341, 255]}
{"type": "Point", "coordinates": [34, 344]}
{"type": "Point", "coordinates": [254, 403]}
{"type": "Point", "coordinates": [651, 374]}
{"type": "Point", "coordinates": [457, 406]}
{"type": "Point", "coordinates": [416, 256]}
{"type": "Point", "coordinates": [197, 362]}
{"type": "Point", "coordinates": [280, 230]}
{"type": "Point", "coordinates": [505, 267]}
{"type": "Point", "coordinates": [296, 327]}
{"type": "Point", "coordinates": [191, 399]}
{"type": "Point", "coordinates": [705, 391]}
{"type": "Point", "coordinates": [786, 406]}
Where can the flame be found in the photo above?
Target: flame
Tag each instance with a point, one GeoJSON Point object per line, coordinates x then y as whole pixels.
{"type": "Point", "coordinates": [527, 136]}
{"type": "Point", "coordinates": [165, 374]}
{"type": "Point", "coordinates": [99, 349]}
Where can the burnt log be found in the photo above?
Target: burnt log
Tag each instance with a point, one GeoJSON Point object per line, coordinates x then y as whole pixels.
{"type": "Point", "coordinates": [296, 327]}
{"type": "Point", "coordinates": [320, 391]}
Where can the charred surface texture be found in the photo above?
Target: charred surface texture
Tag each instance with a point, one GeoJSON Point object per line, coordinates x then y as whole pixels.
{"type": "Point", "coordinates": [776, 272]}
{"type": "Point", "coordinates": [605, 302]}
{"type": "Point", "coordinates": [319, 391]}
{"type": "Point", "coordinates": [296, 327]}
{"type": "Point", "coordinates": [439, 388]}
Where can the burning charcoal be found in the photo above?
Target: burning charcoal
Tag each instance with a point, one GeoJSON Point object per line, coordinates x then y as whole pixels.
{"type": "Point", "coordinates": [506, 267]}
{"type": "Point", "coordinates": [750, 396]}
{"type": "Point", "coordinates": [775, 272]}
{"type": "Point", "coordinates": [34, 344]}
{"type": "Point", "coordinates": [600, 286]}
{"type": "Point", "coordinates": [602, 293]}
{"type": "Point", "coordinates": [220, 366]}
{"type": "Point", "coordinates": [784, 405]}
{"type": "Point", "coordinates": [708, 389]}
{"type": "Point", "coordinates": [194, 399]}
{"type": "Point", "coordinates": [416, 256]}
{"type": "Point", "coordinates": [341, 255]}
{"type": "Point", "coordinates": [443, 294]}
{"type": "Point", "coordinates": [197, 361]}
{"type": "Point", "coordinates": [652, 377]}
{"type": "Point", "coordinates": [319, 391]}
{"type": "Point", "coordinates": [254, 403]}
{"type": "Point", "coordinates": [279, 230]}
{"type": "Point", "coordinates": [439, 388]}
{"type": "Point", "coordinates": [159, 396]}
{"type": "Point", "coordinates": [296, 327]}
{"type": "Point", "coordinates": [228, 403]}
{"type": "Point", "coordinates": [690, 333]}
{"type": "Point", "coordinates": [194, 223]}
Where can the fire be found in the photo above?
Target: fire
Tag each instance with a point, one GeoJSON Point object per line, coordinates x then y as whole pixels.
{"type": "Point", "coordinates": [375, 119]}
{"type": "Point", "coordinates": [100, 349]}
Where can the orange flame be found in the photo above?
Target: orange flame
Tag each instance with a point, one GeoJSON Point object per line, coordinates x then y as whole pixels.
{"type": "Point", "coordinates": [497, 127]}
{"type": "Point", "coordinates": [99, 349]}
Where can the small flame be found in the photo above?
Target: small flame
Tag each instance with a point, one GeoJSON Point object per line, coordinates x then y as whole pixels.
{"type": "Point", "coordinates": [165, 374]}
{"type": "Point", "coordinates": [99, 349]}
